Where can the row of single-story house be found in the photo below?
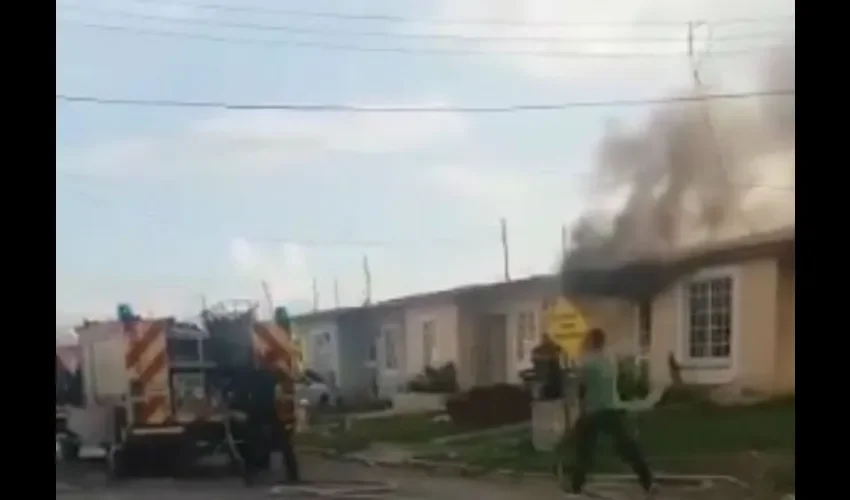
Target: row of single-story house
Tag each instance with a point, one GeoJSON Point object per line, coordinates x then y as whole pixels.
{"type": "Point", "coordinates": [724, 311]}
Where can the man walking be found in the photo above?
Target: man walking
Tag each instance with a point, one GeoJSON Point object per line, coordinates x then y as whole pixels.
{"type": "Point", "coordinates": [601, 415]}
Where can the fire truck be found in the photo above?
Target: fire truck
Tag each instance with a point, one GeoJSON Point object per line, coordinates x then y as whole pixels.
{"type": "Point", "coordinates": [156, 391]}
{"type": "Point", "coordinates": [68, 394]}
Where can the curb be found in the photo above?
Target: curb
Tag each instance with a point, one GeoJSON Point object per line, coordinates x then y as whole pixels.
{"type": "Point", "coordinates": [456, 469]}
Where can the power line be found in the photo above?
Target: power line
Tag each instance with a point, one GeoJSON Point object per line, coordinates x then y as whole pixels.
{"type": "Point", "coordinates": [346, 108]}
{"type": "Point", "coordinates": [398, 50]}
{"type": "Point", "coordinates": [415, 36]}
{"type": "Point", "coordinates": [447, 21]}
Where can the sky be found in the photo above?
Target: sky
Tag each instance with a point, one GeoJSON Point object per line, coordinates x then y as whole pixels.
{"type": "Point", "coordinates": [165, 208]}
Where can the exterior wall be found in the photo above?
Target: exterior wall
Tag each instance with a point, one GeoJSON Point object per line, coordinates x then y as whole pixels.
{"type": "Point", "coordinates": [356, 336]}
{"type": "Point", "coordinates": [786, 337]}
{"type": "Point", "coordinates": [391, 379]}
{"type": "Point", "coordinates": [615, 316]}
{"type": "Point", "coordinates": [322, 357]}
{"type": "Point", "coordinates": [465, 341]}
{"type": "Point", "coordinates": [445, 317]}
{"type": "Point", "coordinates": [759, 303]}
{"type": "Point", "coordinates": [510, 305]}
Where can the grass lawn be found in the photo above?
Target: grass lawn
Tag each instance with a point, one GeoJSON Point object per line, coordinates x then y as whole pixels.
{"type": "Point", "coordinates": [401, 429]}
{"type": "Point", "coordinates": [745, 441]}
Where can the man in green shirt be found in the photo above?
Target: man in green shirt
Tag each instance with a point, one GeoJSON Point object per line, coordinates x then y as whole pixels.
{"type": "Point", "coordinates": [601, 414]}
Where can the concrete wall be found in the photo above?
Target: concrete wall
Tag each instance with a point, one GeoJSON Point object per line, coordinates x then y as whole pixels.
{"type": "Point", "coordinates": [785, 343]}
{"type": "Point", "coordinates": [511, 305]}
{"type": "Point", "coordinates": [356, 335]}
{"type": "Point", "coordinates": [761, 360]}
{"type": "Point", "coordinates": [617, 317]}
{"type": "Point", "coordinates": [391, 380]}
{"type": "Point", "coordinates": [320, 337]}
{"type": "Point", "coordinates": [444, 313]}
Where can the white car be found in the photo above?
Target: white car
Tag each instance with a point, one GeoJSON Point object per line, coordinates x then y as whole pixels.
{"type": "Point", "coordinates": [313, 392]}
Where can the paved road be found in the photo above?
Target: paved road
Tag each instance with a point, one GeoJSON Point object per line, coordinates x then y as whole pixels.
{"type": "Point", "coordinates": [89, 483]}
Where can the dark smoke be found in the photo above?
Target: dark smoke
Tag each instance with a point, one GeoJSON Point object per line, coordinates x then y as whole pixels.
{"type": "Point", "coordinates": [687, 172]}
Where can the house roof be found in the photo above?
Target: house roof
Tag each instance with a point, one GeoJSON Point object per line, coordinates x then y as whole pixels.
{"type": "Point", "coordinates": [639, 277]}
{"type": "Point", "coordinates": [323, 315]}
{"type": "Point", "coordinates": [628, 278]}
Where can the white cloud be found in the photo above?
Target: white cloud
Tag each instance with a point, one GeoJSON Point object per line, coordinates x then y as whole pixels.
{"type": "Point", "coordinates": [489, 185]}
{"type": "Point", "coordinates": [259, 142]}
{"type": "Point", "coordinates": [606, 27]}
{"type": "Point", "coordinates": [285, 268]}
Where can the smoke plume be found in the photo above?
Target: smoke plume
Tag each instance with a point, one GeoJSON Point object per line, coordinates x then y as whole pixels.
{"type": "Point", "coordinates": [695, 172]}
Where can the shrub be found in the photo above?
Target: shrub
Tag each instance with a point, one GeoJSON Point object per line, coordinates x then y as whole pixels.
{"type": "Point", "coordinates": [440, 380]}
{"type": "Point", "coordinates": [632, 378]}
{"type": "Point", "coordinates": [489, 406]}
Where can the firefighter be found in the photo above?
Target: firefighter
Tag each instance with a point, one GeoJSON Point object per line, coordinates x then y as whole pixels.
{"type": "Point", "coordinates": [269, 424]}
{"type": "Point", "coordinates": [284, 428]}
{"type": "Point", "coordinates": [546, 358]}
{"type": "Point", "coordinates": [284, 400]}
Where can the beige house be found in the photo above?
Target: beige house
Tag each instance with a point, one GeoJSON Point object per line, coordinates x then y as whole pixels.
{"type": "Point", "coordinates": [727, 315]}
{"type": "Point", "coordinates": [724, 311]}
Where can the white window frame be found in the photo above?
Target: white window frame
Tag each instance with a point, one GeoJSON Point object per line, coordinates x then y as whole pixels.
{"type": "Point", "coordinates": [711, 369]}
{"type": "Point", "coordinates": [390, 337]}
{"type": "Point", "coordinates": [524, 340]}
{"type": "Point", "coordinates": [434, 354]}
{"type": "Point", "coordinates": [643, 352]}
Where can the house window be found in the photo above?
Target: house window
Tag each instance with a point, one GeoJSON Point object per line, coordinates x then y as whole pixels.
{"type": "Point", "coordinates": [373, 350]}
{"type": "Point", "coordinates": [644, 339]}
{"type": "Point", "coordinates": [429, 343]}
{"type": "Point", "coordinates": [390, 354]}
{"type": "Point", "coordinates": [709, 303]}
{"type": "Point", "coordinates": [526, 333]}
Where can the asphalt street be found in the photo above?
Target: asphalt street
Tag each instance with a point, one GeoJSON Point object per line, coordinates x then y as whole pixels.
{"type": "Point", "coordinates": [342, 481]}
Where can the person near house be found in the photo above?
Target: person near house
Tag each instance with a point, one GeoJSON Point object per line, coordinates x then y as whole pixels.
{"type": "Point", "coordinates": [269, 406]}
{"type": "Point", "coordinates": [284, 427]}
{"type": "Point", "coordinates": [601, 414]}
{"type": "Point", "coordinates": [546, 359]}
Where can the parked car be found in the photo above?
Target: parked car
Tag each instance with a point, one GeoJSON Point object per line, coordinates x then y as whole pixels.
{"type": "Point", "coordinates": [313, 392]}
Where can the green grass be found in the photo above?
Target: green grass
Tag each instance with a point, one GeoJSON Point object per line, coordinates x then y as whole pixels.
{"type": "Point", "coordinates": [754, 443]}
{"type": "Point", "coordinates": [692, 438]}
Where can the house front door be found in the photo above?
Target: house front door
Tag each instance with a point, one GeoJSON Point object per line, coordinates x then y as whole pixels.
{"type": "Point", "coordinates": [491, 349]}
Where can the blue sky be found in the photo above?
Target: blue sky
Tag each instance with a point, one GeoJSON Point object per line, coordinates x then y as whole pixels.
{"type": "Point", "coordinates": [160, 206]}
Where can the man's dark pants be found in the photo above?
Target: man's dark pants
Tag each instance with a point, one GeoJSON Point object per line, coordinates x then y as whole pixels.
{"type": "Point", "coordinates": [261, 440]}
{"type": "Point", "coordinates": [612, 423]}
{"type": "Point", "coordinates": [284, 444]}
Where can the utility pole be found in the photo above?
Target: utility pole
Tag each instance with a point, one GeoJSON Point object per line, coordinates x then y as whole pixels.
{"type": "Point", "coordinates": [315, 296]}
{"type": "Point", "coordinates": [368, 274]}
{"type": "Point", "coordinates": [505, 250]}
{"type": "Point", "coordinates": [268, 294]}
{"type": "Point", "coordinates": [695, 61]}
{"type": "Point", "coordinates": [336, 292]}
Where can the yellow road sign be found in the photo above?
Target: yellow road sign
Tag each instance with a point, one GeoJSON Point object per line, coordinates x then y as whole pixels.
{"type": "Point", "coordinates": [566, 325]}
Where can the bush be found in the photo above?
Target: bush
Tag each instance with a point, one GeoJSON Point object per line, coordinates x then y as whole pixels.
{"type": "Point", "coordinates": [632, 379]}
{"type": "Point", "coordinates": [489, 406]}
{"type": "Point", "coordinates": [442, 380]}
